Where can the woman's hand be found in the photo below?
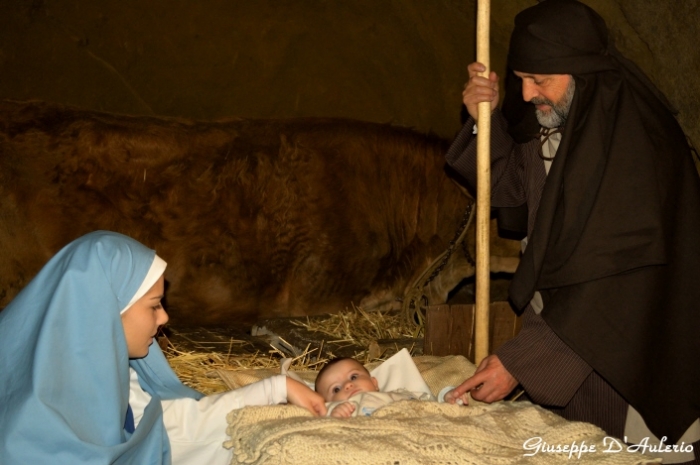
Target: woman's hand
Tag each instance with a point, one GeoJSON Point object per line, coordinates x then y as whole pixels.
{"type": "Point", "coordinates": [300, 394]}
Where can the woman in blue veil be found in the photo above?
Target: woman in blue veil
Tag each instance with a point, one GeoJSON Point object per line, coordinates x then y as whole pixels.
{"type": "Point", "coordinates": [66, 371]}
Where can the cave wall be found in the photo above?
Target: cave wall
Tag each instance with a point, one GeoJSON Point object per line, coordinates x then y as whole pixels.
{"type": "Point", "coordinates": [372, 60]}
{"type": "Point", "coordinates": [399, 61]}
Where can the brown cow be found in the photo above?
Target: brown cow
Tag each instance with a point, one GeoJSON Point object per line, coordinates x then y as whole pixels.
{"type": "Point", "coordinates": [256, 218]}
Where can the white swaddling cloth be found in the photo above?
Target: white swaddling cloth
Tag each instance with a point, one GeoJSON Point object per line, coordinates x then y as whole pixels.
{"type": "Point", "coordinates": [398, 372]}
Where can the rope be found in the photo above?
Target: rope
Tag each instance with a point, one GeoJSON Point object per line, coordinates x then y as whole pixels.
{"type": "Point", "coordinates": [415, 302]}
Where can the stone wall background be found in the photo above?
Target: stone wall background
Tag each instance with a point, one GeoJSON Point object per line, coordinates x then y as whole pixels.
{"type": "Point", "coordinates": [399, 61]}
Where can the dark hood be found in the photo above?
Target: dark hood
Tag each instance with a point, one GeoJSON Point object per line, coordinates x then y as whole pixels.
{"type": "Point", "coordinates": [617, 234]}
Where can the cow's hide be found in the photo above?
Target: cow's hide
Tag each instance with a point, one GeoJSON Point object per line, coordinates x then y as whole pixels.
{"type": "Point", "coordinates": [256, 218]}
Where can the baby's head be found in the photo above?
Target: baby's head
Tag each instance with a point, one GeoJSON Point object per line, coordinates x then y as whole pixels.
{"type": "Point", "coordinates": [342, 378]}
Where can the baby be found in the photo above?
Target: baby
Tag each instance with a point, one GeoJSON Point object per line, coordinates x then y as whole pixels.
{"type": "Point", "coordinates": [351, 390]}
{"type": "Point", "coordinates": [339, 380]}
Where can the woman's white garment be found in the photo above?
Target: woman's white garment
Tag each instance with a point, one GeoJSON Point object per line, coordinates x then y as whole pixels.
{"type": "Point", "coordinates": [197, 429]}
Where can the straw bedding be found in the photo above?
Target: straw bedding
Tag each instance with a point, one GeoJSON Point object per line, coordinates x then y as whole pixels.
{"type": "Point", "coordinates": [200, 369]}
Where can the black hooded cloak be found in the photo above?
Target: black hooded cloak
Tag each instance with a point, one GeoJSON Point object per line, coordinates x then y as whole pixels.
{"type": "Point", "coordinates": [615, 249]}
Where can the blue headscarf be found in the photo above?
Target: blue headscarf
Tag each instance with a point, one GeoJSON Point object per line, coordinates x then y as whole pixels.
{"type": "Point", "coordinates": [64, 365]}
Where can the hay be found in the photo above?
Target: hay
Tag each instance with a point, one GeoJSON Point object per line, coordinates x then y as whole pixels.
{"type": "Point", "coordinates": [368, 332]}
{"type": "Point", "coordinates": [198, 370]}
{"type": "Point", "coordinates": [360, 327]}
{"type": "Point", "coordinates": [355, 327]}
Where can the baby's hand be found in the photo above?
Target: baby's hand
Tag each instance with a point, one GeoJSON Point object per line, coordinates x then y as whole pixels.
{"type": "Point", "coordinates": [452, 398]}
{"type": "Point", "coordinates": [343, 410]}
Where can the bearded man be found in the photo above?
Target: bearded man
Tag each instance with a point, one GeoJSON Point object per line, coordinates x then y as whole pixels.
{"type": "Point", "coordinates": [607, 283]}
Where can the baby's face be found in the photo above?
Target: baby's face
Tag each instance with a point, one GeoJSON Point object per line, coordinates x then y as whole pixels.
{"type": "Point", "coordinates": [345, 379]}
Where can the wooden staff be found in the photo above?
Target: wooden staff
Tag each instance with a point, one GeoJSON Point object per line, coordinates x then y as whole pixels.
{"type": "Point", "coordinates": [483, 191]}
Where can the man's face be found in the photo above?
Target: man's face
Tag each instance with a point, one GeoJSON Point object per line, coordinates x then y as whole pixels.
{"type": "Point", "coordinates": [551, 94]}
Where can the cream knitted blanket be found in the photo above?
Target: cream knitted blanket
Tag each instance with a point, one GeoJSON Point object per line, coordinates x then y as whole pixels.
{"type": "Point", "coordinates": [415, 432]}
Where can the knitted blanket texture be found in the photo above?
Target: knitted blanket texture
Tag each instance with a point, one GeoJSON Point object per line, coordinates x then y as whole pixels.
{"type": "Point", "coordinates": [422, 432]}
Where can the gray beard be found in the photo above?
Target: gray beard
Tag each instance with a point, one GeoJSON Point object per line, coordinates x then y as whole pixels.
{"type": "Point", "coordinates": [556, 116]}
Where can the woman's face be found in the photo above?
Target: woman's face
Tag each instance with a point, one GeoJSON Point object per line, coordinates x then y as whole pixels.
{"type": "Point", "coordinates": [142, 319]}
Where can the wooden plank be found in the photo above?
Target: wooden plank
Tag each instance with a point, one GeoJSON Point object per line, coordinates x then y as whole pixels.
{"type": "Point", "coordinates": [505, 324]}
{"type": "Point", "coordinates": [449, 329]}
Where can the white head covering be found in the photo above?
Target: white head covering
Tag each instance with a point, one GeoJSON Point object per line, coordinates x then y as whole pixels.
{"type": "Point", "coordinates": [154, 273]}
